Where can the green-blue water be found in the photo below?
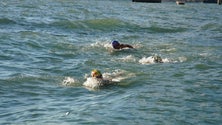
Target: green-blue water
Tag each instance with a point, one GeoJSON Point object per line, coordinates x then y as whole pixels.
{"type": "Point", "coordinates": [49, 47]}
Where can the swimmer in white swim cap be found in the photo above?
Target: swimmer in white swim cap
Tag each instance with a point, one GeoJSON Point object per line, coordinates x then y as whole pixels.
{"type": "Point", "coordinates": [117, 45]}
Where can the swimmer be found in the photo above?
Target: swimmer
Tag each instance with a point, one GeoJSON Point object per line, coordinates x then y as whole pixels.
{"type": "Point", "coordinates": [152, 60]}
{"type": "Point", "coordinates": [117, 45]}
{"type": "Point", "coordinates": [96, 74]}
{"type": "Point", "coordinates": [96, 80]}
{"type": "Point", "coordinates": [157, 59]}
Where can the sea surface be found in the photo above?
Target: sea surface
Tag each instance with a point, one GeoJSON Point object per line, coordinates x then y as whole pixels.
{"type": "Point", "coordinates": [49, 47]}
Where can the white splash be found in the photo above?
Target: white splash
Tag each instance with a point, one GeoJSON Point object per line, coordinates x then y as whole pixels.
{"type": "Point", "coordinates": [165, 60]}
{"type": "Point", "coordinates": [147, 60]}
{"type": "Point", "coordinates": [104, 44]}
{"type": "Point", "coordinates": [67, 113]}
{"type": "Point", "coordinates": [118, 75]}
{"type": "Point", "coordinates": [68, 81]}
{"type": "Point", "coordinates": [96, 44]}
{"type": "Point", "coordinates": [151, 60]}
{"type": "Point", "coordinates": [94, 83]}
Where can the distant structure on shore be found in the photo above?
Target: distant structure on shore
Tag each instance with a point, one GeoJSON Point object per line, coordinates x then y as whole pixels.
{"type": "Point", "coordinates": [212, 1]}
{"type": "Point", "coordinates": [148, 1]}
{"type": "Point", "coordinates": [159, 1]}
{"type": "Point", "coordinates": [180, 2]}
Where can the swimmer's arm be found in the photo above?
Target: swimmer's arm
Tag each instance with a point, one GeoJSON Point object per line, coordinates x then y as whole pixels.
{"type": "Point", "coordinates": [125, 45]}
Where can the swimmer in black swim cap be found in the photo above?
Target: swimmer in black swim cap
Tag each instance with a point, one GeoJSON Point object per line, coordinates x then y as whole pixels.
{"type": "Point", "coordinates": [117, 45]}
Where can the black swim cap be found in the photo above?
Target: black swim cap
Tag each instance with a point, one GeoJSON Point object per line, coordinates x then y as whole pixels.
{"type": "Point", "coordinates": [115, 44]}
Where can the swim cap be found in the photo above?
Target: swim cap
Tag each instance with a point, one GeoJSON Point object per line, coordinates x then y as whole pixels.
{"type": "Point", "coordinates": [96, 73]}
{"type": "Point", "coordinates": [115, 44]}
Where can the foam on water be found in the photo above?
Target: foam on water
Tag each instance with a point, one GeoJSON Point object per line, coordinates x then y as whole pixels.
{"type": "Point", "coordinates": [104, 44]}
{"type": "Point", "coordinates": [108, 79]}
{"type": "Point", "coordinates": [151, 60]}
{"type": "Point", "coordinates": [118, 75]}
{"type": "Point", "coordinates": [182, 59]}
{"type": "Point", "coordinates": [147, 60]}
{"type": "Point", "coordinates": [128, 58]}
{"type": "Point", "coordinates": [69, 81]}
{"type": "Point", "coordinates": [94, 83]}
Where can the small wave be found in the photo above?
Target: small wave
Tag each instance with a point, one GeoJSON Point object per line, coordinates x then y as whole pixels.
{"type": "Point", "coordinates": [3, 3]}
{"type": "Point", "coordinates": [6, 21]}
{"type": "Point", "coordinates": [66, 24]}
{"type": "Point", "coordinates": [94, 24]}
{"type": "Point", "coordinates": [159, 29]}
{"type": "Point", "coordinates": [104, 23]}
{"type": "Point", "coordinates": [212, 27]}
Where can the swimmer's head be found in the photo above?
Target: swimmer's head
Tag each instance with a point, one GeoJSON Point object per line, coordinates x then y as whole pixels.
{"type": "Point", "coordinates": [115, 44]}
{"type": "Point", "coordinates": [158, 59]}
{"type": "Point", "coordinates": [96, 73]}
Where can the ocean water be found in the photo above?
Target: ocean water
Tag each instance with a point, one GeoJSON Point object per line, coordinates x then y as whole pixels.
{"type": "Point", "coordinates": [49, 47]}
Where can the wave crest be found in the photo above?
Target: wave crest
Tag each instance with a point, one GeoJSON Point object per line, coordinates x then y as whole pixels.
{"type": "Point", "coordinates": [94, 24]}
{"type": "Point", "coordinates": [6, 21]}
